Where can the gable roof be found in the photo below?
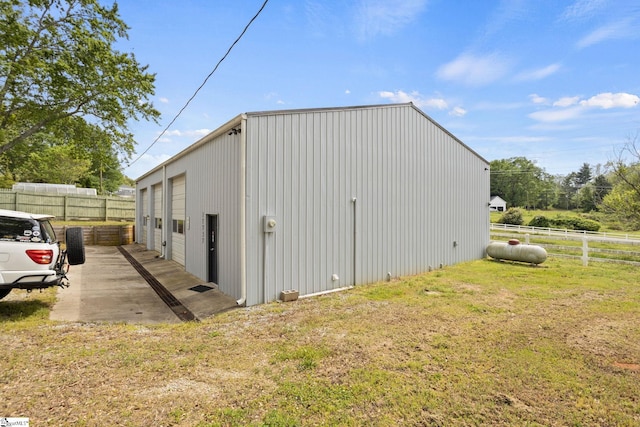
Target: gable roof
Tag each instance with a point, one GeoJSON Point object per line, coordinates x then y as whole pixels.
{"type": "Point", "coordinates": [237, 120]}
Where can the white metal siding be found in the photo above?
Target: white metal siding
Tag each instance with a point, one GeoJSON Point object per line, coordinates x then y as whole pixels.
{"type": "Point", "coordinates": [418, 190]}
{"type": "Point", "coordinates": [157, 215]}
{"type": "Point", "coordinates": [178, 214]}
{"type": "Point", "coordinates": [213, 188]}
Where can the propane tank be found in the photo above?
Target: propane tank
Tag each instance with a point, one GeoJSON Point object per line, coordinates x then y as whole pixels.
{"type": "Point", "coordinates": [513, 250]}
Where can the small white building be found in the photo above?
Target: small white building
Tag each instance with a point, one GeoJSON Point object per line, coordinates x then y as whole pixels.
{"type": "Point", "coordinates": [497, 203]}
{"type": "Point", "coordinates": [316, 200]}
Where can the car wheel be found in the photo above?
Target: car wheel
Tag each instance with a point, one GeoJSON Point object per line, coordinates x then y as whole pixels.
{"type": "Point", "coordinates": [4, 292]}
{"type": "Point", "coordinates": [75, 246]}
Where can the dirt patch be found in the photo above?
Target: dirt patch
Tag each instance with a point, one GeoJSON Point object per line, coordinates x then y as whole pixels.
{"type": "Point", "coordinates": [606, 338]}
{"type": "Point", "coordinates": [629, 366]}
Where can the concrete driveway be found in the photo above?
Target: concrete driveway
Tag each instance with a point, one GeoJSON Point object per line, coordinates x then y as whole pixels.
{"type": "Point", "coordinates": [131, 284]}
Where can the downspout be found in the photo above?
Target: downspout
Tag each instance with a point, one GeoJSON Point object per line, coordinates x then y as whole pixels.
{"type": "Point", "coordinates": [355, 239]}
{"type": "Point", "coordinates": [243, 211]}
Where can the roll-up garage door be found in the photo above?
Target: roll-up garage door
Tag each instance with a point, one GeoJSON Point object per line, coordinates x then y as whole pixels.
{"type": "Point", "coordinates": [178, 206]}
{"type": "Point", "coordinates": [145, 214]}
{"type": "Point", "coordinates": [157, 217]}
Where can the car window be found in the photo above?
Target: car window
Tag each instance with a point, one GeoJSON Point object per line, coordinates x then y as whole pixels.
{"type": "Point", "coordinates": [47, 231]}
{"type": "Point", "coordinates": [25, 230]}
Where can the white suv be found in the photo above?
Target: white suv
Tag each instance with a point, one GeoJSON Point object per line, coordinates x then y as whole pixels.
{"type": "Point", "coordinates": [30, 256]}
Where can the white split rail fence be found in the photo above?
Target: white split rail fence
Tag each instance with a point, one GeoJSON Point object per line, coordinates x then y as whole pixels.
{"type": "Point", "coordinates": [508, 230]}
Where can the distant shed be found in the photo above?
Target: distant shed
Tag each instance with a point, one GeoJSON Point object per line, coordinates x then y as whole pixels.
{"type": "Point", "coordinates": [317, 200]}
{"type": "Point", "coordinates": [497, 203]}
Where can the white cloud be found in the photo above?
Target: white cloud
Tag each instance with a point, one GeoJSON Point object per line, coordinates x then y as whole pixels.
{"type": "Point", "coordinates": [582, 9]}
{"type": "Point", "coordinates": [537, 99]}
{"type": "Point", "coordinates": [539, 73]}
{"type": "Point", "coordinates": [474, 70]}
{"type": "Point", "coordinates": [164, 100]}
{"type": "Point", "coordinates": [420, 101]}
{"type": "Point", "coordinates": [624, 29]}
{"type": "Point", "coordinates": [556, 115]}
{"type": "Point", "coordinates": [611, 100]}
{"type": "Point", "coordinates": [193, 133]}
{"type": "Point", "coordinates": [569, 108]}
{"type": "Point", "coordinates": [566, 101]}
{"type": "Point", "coordinates": [415, 97]}
{"type": "Point", "coordinates": [347, 92]}
{"type": "Point", "coordinates": [458, 112]}
{"type": "Point", "coordinates": [375, 17]}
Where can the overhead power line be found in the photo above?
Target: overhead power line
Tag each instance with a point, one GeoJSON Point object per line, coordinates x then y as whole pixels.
{"type": "Point", "coordinates": [202, 85]}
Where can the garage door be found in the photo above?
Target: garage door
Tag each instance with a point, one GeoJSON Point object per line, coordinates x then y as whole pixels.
{"type": "Point", "coordinates": [178, 206]}
{"type": "Point", "coordinates": [145, 214]}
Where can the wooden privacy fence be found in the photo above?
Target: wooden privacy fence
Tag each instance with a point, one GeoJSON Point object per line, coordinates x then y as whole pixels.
{"type": "Point", "coordinates": [68, 207]}
{"type": "Point", "coordinates": [102, 235]}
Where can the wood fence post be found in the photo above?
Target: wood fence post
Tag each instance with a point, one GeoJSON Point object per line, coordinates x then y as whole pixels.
{"type": "Point", "coordinates": [585, 251]}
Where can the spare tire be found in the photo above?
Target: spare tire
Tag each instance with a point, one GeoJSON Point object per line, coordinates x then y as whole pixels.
{"type": "Point", "coordinates": [75, 246]}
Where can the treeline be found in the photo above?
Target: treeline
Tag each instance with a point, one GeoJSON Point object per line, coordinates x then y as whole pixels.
{"type": "Point", "coordinates": [71, 151]}
{"type": "Point", "coordinates": [611, 191]}
{"type": "Point", "coordinates": [523, 184]}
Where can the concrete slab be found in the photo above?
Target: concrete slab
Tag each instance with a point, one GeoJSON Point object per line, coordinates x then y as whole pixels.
{"type": "Point", "coordinates": [178, 282]}
{"type": "Point", "coordinates": [108, 288]}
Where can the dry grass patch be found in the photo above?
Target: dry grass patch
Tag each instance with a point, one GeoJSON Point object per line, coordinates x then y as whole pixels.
{"type": "Point", "coordinates": [482, 343]}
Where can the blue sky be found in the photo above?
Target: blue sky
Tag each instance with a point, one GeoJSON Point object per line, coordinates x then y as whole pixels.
{"type": "Point", "coordinates": [555, 81]}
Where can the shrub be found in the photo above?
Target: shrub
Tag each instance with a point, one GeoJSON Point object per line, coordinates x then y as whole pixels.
{"type": "Point", "coordinates": [566, 222]}
{"type": "Point", "coordinates": [540, 221]}
{"type": "Point", "coordinates": [512, 216]}
{"type": "Point", "coordinates": [577, 223]}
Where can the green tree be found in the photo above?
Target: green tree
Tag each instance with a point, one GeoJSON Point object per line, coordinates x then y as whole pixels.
{"type": "Point", "coordinates": [583, 176]}
{"type": "Point", "coordinates": [57, 61]}
{"type": "Point", "coordinates": [585, 198]}
{"type": "Point", "coordinates": [72, 143]}
{"type": "Point", "coordinates": [601, 187]}
{"type": "Point", "coordinates": [623, 201]}
{"type": "Point", "coordinates": [520, 182]}
{"type": "Point", "coordinates": [59, 164]}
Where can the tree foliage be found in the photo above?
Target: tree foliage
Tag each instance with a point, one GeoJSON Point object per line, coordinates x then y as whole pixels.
{"type": "Point", "coordinates": [57, 63]}
{"type": "Point", "coordinates": [521, 183]}
{"type": "Point", "coordinates": [623, 201]}
{"type": "Point", "coordinates": [70, 151]}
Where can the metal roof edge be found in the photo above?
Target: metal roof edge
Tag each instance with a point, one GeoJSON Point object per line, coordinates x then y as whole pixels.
{"type": "Point", "coordinates": [322, 109]}
{"type": "Point", "coordinates": [238, 119]}
{"type": "Point", "coordinates": [205, 139]}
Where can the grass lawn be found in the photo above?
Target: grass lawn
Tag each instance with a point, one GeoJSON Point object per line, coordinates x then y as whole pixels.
{"type": "Point", "coordinates": [480, 343]}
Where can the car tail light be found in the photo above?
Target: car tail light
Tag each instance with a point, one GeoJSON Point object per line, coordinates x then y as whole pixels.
{"type": "Point", "coordinates": [40, 256]}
